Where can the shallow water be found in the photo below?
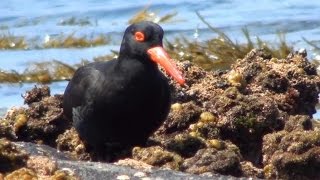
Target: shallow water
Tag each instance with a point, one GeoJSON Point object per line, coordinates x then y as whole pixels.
{"type": "Point", "coordinates": [298, 18]}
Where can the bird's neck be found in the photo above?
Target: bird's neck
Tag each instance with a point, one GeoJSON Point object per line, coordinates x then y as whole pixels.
{"type": "Point", "coordinates": [145, 60]}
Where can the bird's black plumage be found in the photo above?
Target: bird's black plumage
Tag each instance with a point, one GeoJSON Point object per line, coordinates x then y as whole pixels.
{"type": "Point", "coordinates": [124, 100]}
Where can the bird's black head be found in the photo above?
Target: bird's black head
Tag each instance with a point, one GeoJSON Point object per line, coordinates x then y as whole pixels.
{"type": "Point", "coordinates": [140, 37]}
{"type": "Point", "coordinates": [143, 41]}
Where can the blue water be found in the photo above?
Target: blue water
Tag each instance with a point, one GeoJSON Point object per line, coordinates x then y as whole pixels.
{"type": "Point", "coordinates": [36, 19]}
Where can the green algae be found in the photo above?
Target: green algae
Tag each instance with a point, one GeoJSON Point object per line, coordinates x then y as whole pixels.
{"type": "Point", "coordinates": [248, 121]}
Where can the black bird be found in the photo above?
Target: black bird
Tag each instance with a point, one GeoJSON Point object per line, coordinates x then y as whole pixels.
{"type": "Point", "coordinates": [123, 101]}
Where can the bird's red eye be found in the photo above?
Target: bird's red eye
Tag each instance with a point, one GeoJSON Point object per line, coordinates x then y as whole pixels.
{"type": "Point", "coordinates": [139, 36]}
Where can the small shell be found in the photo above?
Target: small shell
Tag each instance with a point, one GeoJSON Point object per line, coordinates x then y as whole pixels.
{"type": "Point", "coordinates": [235, 78]}
{"type": "Point", "coordinates": [215, 143]}
{"type": "Point", "coordinates": [20, 121]}
{"type": "Point", "coordinates": [176, 107]}
{"type": "Point", "coordinates": [200, 124]}
{"type": "Point", "coordinates": [123, 177]}
{"type": "Point", "coordinates": [192, 127]}
{"type": "Point", "coordinates": [194, 134]}
{"type": "Point", "coordinates": [207, 117]}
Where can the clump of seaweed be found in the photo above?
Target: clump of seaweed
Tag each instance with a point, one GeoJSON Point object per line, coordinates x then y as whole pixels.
{"type": "Point", "coordinates": [4, 27]}
{"type": "Point", "coordinates": [57, 71]}
{"type": "Point", "coordinates": [48, 71]}
{"type": "Point", "coordinates": [73, 21]}
{"type": "Point", "coordinates": [146, 15]}
{"type": "Point", "coordinates": [42, 72]}
{"type": "Point", "coordinates": [28, 21]}
{"type": "Point", "coordinates": [71, 41]}
{"type": "Point", "coordinates": [9, 41]}
{"type": "Point", "coordinates": [221, 52]}
{"type": "Point", "coordinates": [114, 54]}
{"type": "Point", "coordinates": [9, 76]}
{"type": "Point", "coordinates": [16, 163]}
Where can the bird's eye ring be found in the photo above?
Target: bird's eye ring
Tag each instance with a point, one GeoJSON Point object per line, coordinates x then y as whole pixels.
{"type": "Point", "coordinates": [139, 36]}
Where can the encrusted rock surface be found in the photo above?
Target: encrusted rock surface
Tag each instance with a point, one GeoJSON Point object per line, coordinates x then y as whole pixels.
{"type": "Point", "coordinates": [18, 162]}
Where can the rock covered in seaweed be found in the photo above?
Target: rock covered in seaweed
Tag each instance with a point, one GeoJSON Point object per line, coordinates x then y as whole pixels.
{"type": "Point", "coordinates": [70, 142]}
{"type": "Point", "coordinates": [40, 122]}
{"type": "Point", "coordinates": [11, 157]}
{"type": "Point", "coordinates": [293, 152]}
{"type": "Point", "coordinates": [253, 120]}
{"type": "Point", "coordinates": [16, 163]}
{"type": "Point", "coordinates": [213, 160]}
{"type": "Point", "coordinates": [157, 156]}
{"type": "Point", "coordinates": [259, 96]}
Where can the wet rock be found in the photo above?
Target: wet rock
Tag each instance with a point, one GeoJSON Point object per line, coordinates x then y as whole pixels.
{"type": "Point", "coordinates": [70, 142]}
{"type": "Point", "coordinates": [249, 170]}
{"type": "Point", "coordinates": [41, 122]}
{"type": "Point", "coordinates": [185, 145]}
{"type": "Point", "coordinates": [298, 166]}
{"type": "Point", "coordinates": [17, 162]}
{"type": "Point", "coordinates": [293, 154]}
{"type": "Point", "coordinates": [134, 164]}
{"type": "Point", "coordinates": [36, 94]}
{"type": "Point", "coordinates": [70, 169]}
{"type": "Point", "coordinates": [180, 119]}
{"type": "Point", "coordinates": [298, 122]}
{"type": "Point", "coordinates": [94, 170]}
{"type": "Point", "coordinates": [42, 165]}
{"type": "Point", "coordinates": [157, 156]}
{"type": "Point", "coordinates": [251, 71]}
{"type": "Point", "coordinates": [225, 161]}
{"type": "Point", "coordinates": [200, 84]}
{"type": "Point", "coordinates": [275, 82]}
{"type": "Point", "coordinates": [245, 119]}
{"type": "Point", "coordinates": [11, 156]}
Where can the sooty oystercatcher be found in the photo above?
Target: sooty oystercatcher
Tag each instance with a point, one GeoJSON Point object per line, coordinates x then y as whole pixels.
{"type": "Point", "coordinates": [123, 101]}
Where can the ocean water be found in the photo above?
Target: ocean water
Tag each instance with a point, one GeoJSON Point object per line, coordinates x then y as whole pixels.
{"type": "Point", "coordinates": [263, 18]}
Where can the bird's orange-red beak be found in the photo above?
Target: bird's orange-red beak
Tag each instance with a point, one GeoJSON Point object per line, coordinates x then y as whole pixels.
{"type": "Point", "coordinates": [160, 56]}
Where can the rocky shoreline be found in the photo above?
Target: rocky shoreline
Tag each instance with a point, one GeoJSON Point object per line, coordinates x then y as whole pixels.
{"type": "Point", "coordinates": [254, 120]}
